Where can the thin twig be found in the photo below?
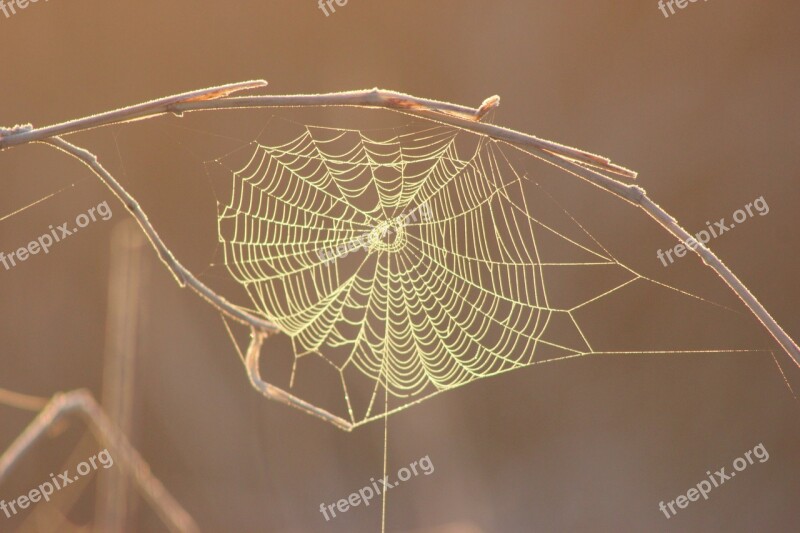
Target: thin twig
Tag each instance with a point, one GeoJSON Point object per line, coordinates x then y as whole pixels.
{"type": "Point", "coordinates": [638, 197]}
{"type": "Point", "coordinates": [83, 403]}
{"type": "Point", "coordinates": [444, 112]}
{"type": "Point", "coordinates": [22, 401]}
{"type": "Point", "coordinates": [25, 133]}
{"type": "Point", "coordinates": [182, 275]}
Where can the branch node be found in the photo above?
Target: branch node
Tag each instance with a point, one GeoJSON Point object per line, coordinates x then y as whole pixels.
{"type": "Point", "coordinates": [493, 102]}
{"type": "Point", "coordinates": [16, 129]}
{"type": "Point", "coordinates": [637, 193]}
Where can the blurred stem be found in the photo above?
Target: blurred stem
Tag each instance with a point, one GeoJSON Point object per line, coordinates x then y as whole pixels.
{"type": "Point", "coordinates": [125, 285]}
{"type": "Point", "coordinates": [82, 403]}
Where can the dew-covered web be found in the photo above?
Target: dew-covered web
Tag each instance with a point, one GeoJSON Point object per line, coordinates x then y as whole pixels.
{"type": "Point", "coordinates": [407, 262]}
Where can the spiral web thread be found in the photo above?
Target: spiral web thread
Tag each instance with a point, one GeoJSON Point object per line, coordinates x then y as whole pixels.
{"type": "Point", "coordinates": [401, 261]}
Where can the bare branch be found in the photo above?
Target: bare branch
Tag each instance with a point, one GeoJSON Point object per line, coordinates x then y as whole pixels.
{"type": "Point", "coordinates": [215, 98]}
{"type": "Point", "coordinates": [580, 163]}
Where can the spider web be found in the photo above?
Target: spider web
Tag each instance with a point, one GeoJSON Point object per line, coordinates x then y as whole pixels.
{"type": "Point", "coordinates": [407, 263]}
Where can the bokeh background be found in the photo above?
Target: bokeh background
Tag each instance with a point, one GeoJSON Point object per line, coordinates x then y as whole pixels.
{"type": "Point", "coordinates": [703, 104]}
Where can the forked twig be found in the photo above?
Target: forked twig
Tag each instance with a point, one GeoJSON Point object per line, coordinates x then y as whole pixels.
{"type": "Point", "coordinates": [83, 403]}
{"type": "Point", "coordinates": [580, 163]}
{"type": "Point", "coordinates": [275, 393]}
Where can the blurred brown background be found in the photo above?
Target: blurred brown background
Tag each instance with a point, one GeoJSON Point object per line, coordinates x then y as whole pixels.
{"type": "Point", "coordinates": [703, 104]}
